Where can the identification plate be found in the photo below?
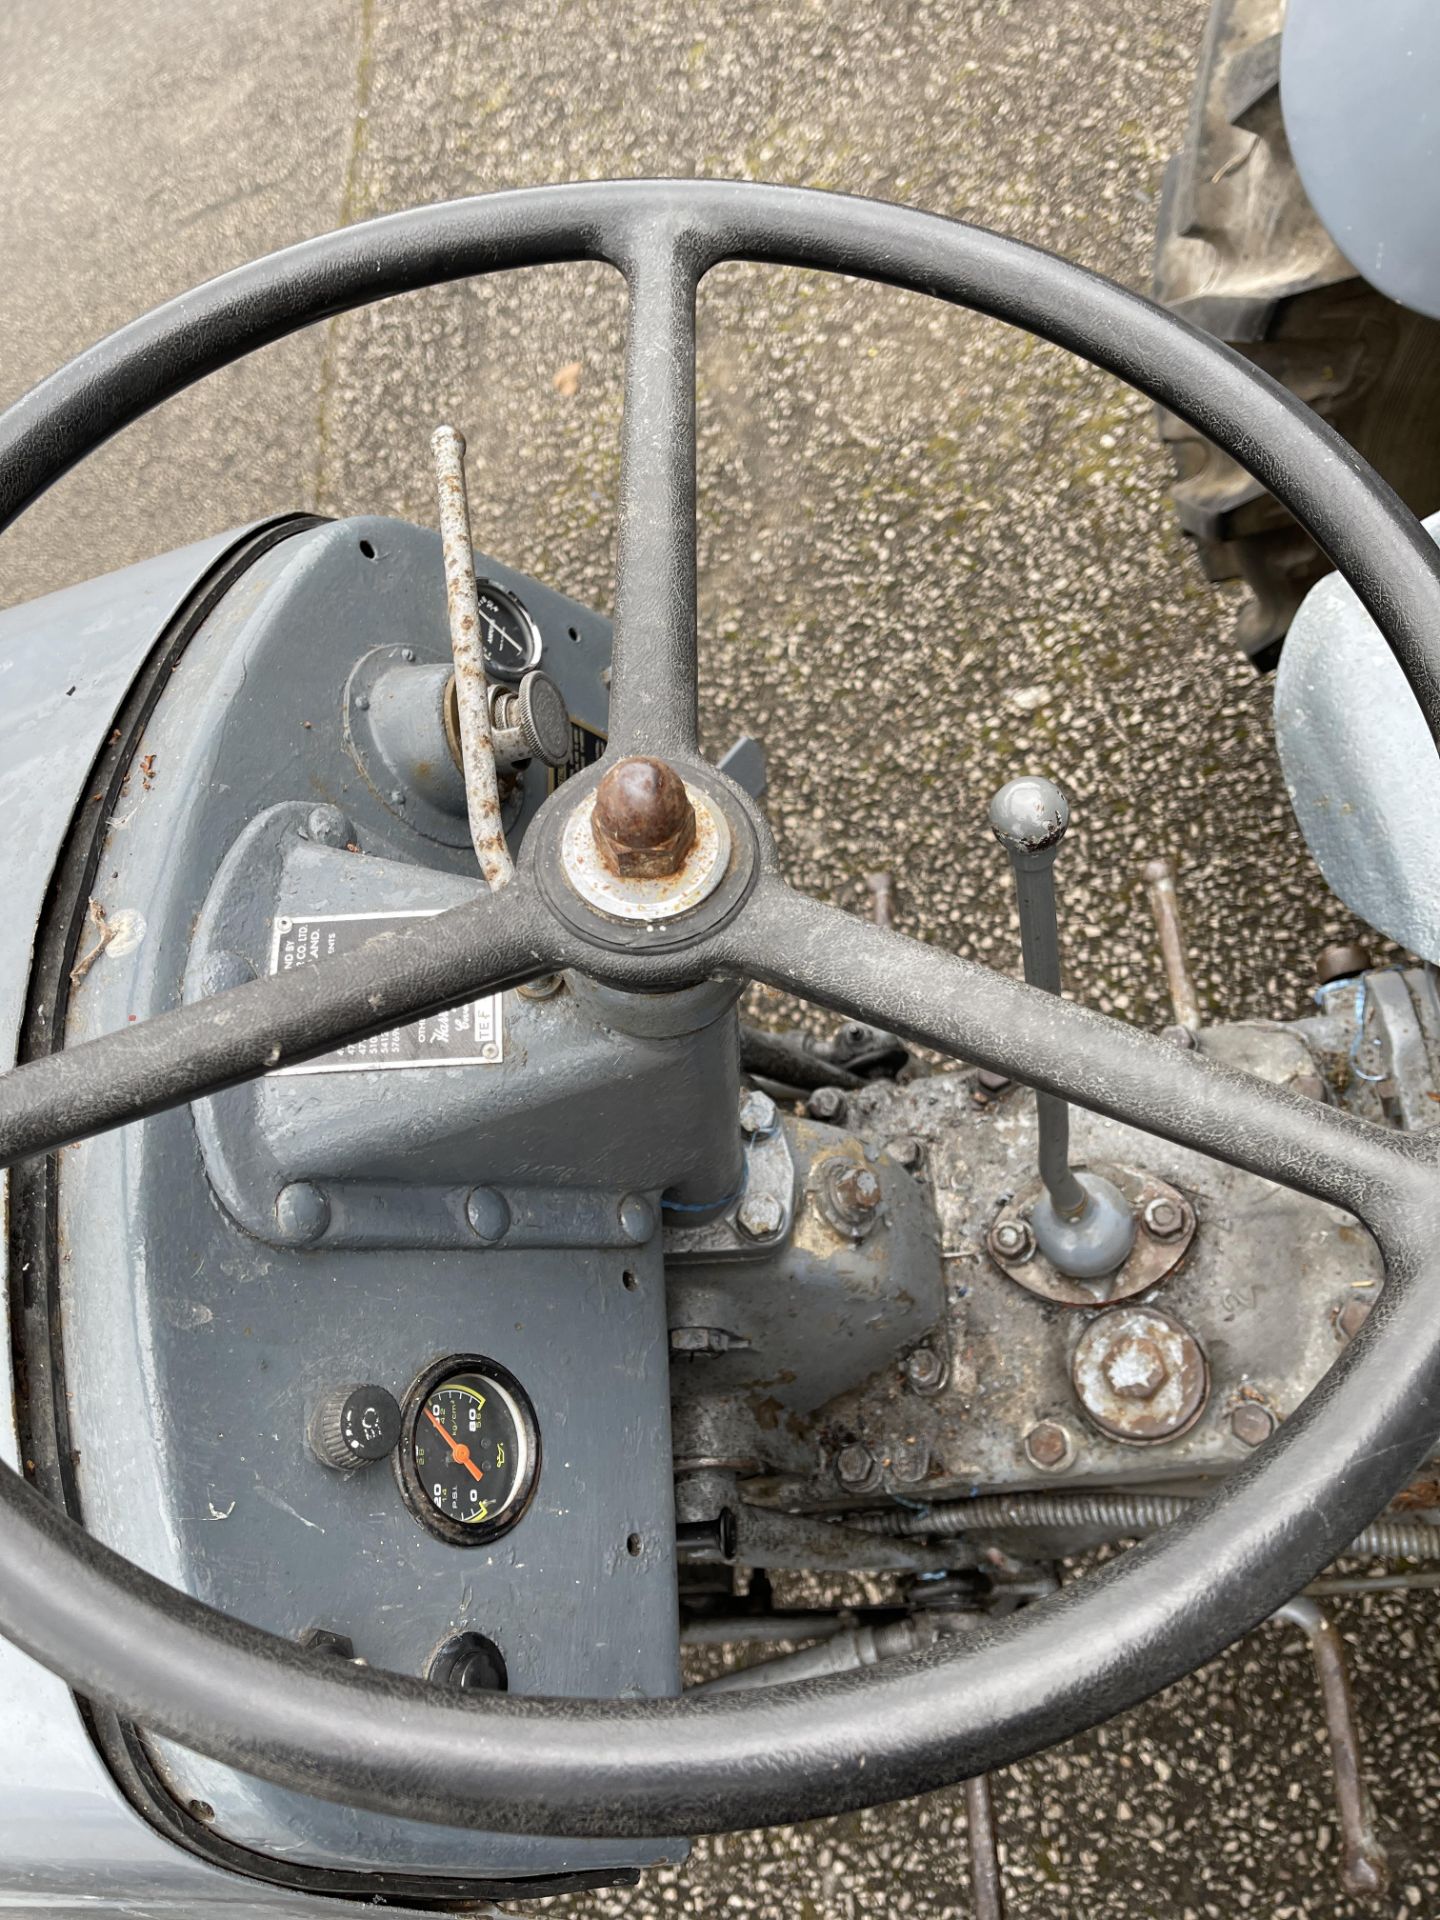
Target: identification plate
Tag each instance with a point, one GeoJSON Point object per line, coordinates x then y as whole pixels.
{"type": "Point", "coordinates": [468, 1036]}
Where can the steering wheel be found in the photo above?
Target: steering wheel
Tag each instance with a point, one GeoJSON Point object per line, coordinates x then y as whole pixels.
{"type": "Point", "coordinates": [398, 1745]}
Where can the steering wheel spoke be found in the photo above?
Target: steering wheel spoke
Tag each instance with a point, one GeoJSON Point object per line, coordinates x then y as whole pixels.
{"type": "Point", "coordinates": [654, 696]}
{"type": "Point", "coordinates": [968, 1011]}
{"type": "Point", "coordinates": [494, 942]}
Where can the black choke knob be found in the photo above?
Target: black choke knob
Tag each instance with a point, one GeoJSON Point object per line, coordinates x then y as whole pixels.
{"type": "Point", "coordinates": [353, 1426]}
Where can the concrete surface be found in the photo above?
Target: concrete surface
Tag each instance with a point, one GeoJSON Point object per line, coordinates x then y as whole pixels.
{"type": "Point", "coordinates": [932, 552]}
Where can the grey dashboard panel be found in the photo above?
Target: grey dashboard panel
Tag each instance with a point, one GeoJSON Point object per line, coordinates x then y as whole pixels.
{"type": "Point", "coordinates": [1357, 89]}
{"type": "Point", "coordinates": [194, 1350]}
{"type": "Point", "coordinates": [1360, 765]}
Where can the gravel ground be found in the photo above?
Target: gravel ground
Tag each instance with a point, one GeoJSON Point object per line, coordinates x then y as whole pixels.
{"type": "Point", "coordinates": [932, 551]}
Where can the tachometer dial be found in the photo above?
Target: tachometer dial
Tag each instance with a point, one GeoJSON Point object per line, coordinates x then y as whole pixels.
{"type": "Point", "coordinates": [470, 1451]}
{"type": "Point", "coordinates": [509, 638]}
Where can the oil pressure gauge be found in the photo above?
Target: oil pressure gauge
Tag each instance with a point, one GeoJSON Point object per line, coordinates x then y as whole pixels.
{"type": "Point", "coordinates": [469, 1452]}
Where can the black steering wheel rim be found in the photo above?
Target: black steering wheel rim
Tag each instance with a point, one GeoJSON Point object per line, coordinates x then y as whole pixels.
{"type": "Point", "coordinates": [394, 1744]}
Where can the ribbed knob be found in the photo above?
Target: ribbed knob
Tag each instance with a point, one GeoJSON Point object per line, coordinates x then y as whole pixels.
{"type": "Point", "coordinates": [354, 1425]}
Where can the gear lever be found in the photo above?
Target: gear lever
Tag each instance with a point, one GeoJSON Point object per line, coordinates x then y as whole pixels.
{"type": "Point", "coordinates": [1082, 1222]}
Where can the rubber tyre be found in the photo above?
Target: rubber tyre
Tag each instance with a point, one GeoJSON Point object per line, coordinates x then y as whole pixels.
{"type": "Point", "coordinates": [1240, 251]}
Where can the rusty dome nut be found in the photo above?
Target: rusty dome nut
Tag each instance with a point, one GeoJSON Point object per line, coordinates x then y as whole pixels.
{"type": "Point", "coordinates": [1048, 1447]}
{"type": "Point", "coordinates": [642, 821]}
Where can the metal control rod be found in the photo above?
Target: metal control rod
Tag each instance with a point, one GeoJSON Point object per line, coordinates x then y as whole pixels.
{"type": "Point", "coordinates": [1159, 877]}
{"type": "Point", "coordinates": [472, 695]}
{"type": "Point", "coordinates": [1364, 1870]}
{"type": "Point", "coordinates": [1029, 817]}
{"type": "Point", "coordinates": [1086, 1230]}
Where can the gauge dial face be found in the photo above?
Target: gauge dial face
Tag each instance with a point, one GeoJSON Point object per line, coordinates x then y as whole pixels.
{"type": "Point", "coordinates": [509, 638]}
{"type": "Point", "coordinates": [471, 1450]}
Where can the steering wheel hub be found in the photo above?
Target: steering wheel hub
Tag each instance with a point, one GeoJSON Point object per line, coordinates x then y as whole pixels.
{"type": "Point", "coordinates": [602, 882]}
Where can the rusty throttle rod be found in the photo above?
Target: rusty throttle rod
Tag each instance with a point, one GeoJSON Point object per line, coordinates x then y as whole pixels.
{"type": "Point", "coordinates": [985, 1884]}
{"type": "Point", "coordinates": [1082, 1223]}
{"type": "Point", "coordinates": [1364, 1869]}
{"type": "Point", "coordinates": [472, 694]}
{"type": "Point", "coordinates": [1159, 878]}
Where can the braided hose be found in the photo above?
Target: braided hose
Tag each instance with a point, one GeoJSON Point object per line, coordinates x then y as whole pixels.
{"type": "Point", "coordinates": [1123, 1515]}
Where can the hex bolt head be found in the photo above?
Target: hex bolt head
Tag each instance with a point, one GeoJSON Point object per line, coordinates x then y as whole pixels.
{"type": "Point", "coordinates": [1164, 1218]}
{"type": "Point", "coordinates": [1011, 1240]}
{"type": "Point", "coordinates": [827, 1103]}
{"type": "Point", "coordinates": [643, 823]}
{"type": "Point", "coordinates": [1251, 1423]}
{"type": "Point", "coordinates": [489, 1214]}
{"type": "Point", "coordinates": [1135, 1368]}
{"type": "Point", "coordinates": [925, 1370]}
{"type": "Point", "coordinates": [856, 1468]}
{"type": "Point", "coordinates": [758, 1118]}
{"type": "Point", "coordinates": [1048, 1447]}
{"type": "Point", "coordinates": [302, 1212]}
{"type": "Point", "coordinates": [989, 1081]}
{"type": "Point", "coordinates": [761, 1216]}
{"type": "Point", "coordinates": [1351, 1317]}
{"type": "Point", "coordinates": [906, 1152]}
{"type": "Point", "coordinates": [854, 1192]}
{"type": "Point", "coordinates": [637, 1218]}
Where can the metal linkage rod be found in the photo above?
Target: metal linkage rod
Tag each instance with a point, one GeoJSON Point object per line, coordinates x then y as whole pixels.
{"type": "Point", "coordinates": [1159, 878]}
{"type": "Point", "coordinates": [1364, 1869]}
{"type": "Point", "coordinates": [472, 692]}
{"type": "Point", "coordinates": [985, 1883]}
{"type": "Point", "coordinates": [1084, 1225]}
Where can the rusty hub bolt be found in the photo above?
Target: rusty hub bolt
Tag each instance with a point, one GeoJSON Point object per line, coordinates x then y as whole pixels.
{"type": "Point", "coordinates": [1048, 1446]}
{"type": "Point", "coordinates": [1164, 1218]}
{"type": "Point", "coordinates": [1140, 1374]}
{"type": "Point", "coordinates": [1351, 1317]}
{"type": "Point", "coordinates": [855, 1467]}
{"type": "Point", "coordinates": [1011, 1240]}
{"type": "Point", "coordinates": [1135, 1368]}
{"type": "Point", "coordinates": [1251, 1423]}
{"type": "Point", "coordinates": [925, 1370]}
{"type": "Point", "coordinates": [643, 822]}
{"type": "Point", "coordinates": [854, 1192]}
